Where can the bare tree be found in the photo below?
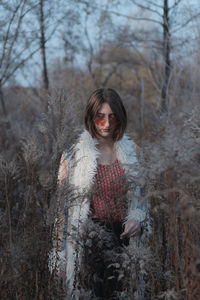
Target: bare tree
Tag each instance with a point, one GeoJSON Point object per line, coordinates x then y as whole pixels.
{"type": "Point", "coordinates": [101, 58]}
{"type": "Point", "coordinates": [43, 45]}
{"type": "Point", "coordinates": [165, 15]}
{"type": "Point", "coordinates": [160, 21]}
{"type": "Point", "coordinates": [22, 36]}
{"type": "Point", "coordinates": [57, 23]}
{"type": "Point", "coordinates": [17, 43]}
{"type": "Point", "coordinates": [166, 56]}
{"type": "Point", "coordinates": [46, 18]}
{"type": "Point", "coordinates": [10, 58]}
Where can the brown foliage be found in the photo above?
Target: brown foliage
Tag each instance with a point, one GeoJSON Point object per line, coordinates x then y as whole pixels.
{"type": "Point", "coordinates": [30, 152]}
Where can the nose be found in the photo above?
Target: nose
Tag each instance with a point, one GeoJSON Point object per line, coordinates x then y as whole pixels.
{"type": "Point", "coordinates": [107, 124]}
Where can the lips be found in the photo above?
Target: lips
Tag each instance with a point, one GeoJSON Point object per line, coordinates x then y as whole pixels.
{"type": "Point", "coordinates": [106, 130]}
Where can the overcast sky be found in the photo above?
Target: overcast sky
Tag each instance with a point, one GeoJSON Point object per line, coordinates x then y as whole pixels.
{"type": "Point", "coordinates": [55, 47]}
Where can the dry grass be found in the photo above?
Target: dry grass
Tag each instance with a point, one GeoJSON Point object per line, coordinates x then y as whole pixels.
{"type": "Point", "coordinates": [168, 264]}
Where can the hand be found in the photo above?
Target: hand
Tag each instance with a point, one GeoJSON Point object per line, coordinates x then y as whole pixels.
{"type": "Point", "coordinates": [62, 278]}
{"type": "Point", "coordinates": [132, 228]}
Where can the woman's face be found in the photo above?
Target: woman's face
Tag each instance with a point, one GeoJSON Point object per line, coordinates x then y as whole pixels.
{"type": "Point", "coordinates": [105, 121]}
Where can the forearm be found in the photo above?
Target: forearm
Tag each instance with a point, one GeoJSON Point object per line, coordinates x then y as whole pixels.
{"type": "Point", "coordinates": [137, 208]}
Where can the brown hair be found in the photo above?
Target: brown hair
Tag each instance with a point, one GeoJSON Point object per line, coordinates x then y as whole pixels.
{"type": "Point", "coordinates": [95, 101]}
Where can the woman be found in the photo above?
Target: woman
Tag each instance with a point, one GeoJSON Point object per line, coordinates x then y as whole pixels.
{"type": "Point", "coordinates": [100, 162]}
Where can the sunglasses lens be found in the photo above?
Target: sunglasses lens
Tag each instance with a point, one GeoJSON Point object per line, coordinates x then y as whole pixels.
{"type": "Point", "coordinates": [100, 122]}
{"type": "Point", "coordinates": [113, 121]}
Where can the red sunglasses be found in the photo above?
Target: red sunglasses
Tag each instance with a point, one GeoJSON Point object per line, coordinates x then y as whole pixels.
{"type": "Point", "coordinates": [102, 122]}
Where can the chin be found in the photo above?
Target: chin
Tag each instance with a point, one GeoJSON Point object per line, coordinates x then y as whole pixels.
{"type": "Point", "coordinates": [106, 134]}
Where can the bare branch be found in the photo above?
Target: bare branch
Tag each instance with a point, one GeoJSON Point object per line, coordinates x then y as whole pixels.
{"type": "Point", "coordinates": [8, 31]}
{"type": "Point", "coordinates": [110, 74]}
{"type": "Point", "coordinates": [148, 8]}
{"type": "Point", "coordinates": [134, 18]}
{"type": "Point", "coordinates": [186, 23]}
{"type": "Point", "coordinates": [21, 63]}
{"type": "Point", "coordinates": [155, 4]}
{"type": "Point", "coordinates": [122, 15]}
{"type": "Point", "coordinates": [91, 50]}
{"type": "Point", "coordinates": [176, 3]}
{"type": "Point", "coordinates": [15, 36]}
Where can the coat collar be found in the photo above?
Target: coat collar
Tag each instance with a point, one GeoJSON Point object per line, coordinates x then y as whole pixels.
{"type": "Point", "coordinates": [86, 154]}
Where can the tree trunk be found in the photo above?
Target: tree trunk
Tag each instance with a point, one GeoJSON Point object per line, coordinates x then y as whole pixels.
{"type": "Point", "coordinates": [166, 56]}
{"type": "Point", "coordinates": [43, 46]}
{"type": "Point", "coordinates": [142, 105]}
{"type": "Point", "coordinates": [3, 101]}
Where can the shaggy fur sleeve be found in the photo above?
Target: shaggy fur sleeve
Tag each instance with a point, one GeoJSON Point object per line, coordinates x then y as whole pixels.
{"type": "Point", "coordinates": [137, 205]}
{"type": "Point", "coordinates": [56, 255]}
{"type": "Point", "coordinates": [63, 174]}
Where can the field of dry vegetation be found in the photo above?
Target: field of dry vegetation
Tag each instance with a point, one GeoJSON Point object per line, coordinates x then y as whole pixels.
{"type": "Point", "coordinates": [160, 89]}
{"type": "Point", "coordinates": [32, 141]}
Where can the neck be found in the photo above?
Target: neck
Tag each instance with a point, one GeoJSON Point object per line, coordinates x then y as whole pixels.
{"type": "Point", "coordinates": [106, 142]}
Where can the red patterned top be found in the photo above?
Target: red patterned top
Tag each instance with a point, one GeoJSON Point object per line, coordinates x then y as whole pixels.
{"type": "Point", "coordinates": [109, 201]}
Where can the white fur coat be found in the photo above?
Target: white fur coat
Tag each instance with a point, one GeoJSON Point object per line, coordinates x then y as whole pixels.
{"type": "Point", "coordinates": [82, 179]}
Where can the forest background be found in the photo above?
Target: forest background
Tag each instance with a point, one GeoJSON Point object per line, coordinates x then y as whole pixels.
{"type": "Point", "coordinates": [53, 54]}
